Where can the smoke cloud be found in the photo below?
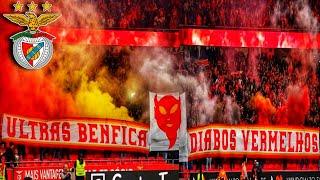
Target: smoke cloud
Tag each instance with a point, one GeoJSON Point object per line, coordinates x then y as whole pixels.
{"type": "Point", "coordinates": [264, 108]}
{"type": "Point", "coordinates": [298, 104]}
{"type": "Point", "coordinates": [158, 72]}
{"type": "Point", "coordinates": [74, 83]}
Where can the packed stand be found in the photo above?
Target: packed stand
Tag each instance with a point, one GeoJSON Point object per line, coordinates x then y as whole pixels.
{"type": "Point", "coordinates": [250, 14]}
{"type": "Point", "coordinates": [173, 14]}
{"type": "Point", "coordinates": [237, 76]}
{"type": "Point", "coordinates": [161, 14]}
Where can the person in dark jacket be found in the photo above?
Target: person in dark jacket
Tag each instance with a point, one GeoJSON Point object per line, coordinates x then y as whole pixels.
{"type": "Point", "coordinates": [256, 170]}
{"type": "Point", "coordinates": [9, 155]}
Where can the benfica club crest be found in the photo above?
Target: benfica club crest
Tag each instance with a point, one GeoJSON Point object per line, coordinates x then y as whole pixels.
{"type": "Point", "coordinates": [32, 49]}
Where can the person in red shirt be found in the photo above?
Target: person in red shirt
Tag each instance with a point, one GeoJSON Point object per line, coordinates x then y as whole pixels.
{"type": "Point", "coordinates": [244, 173]}
{"type": "Point", "coordinates": [2, 148]}
{"type": "Point", "coordinates": [222, 174]}
{"type": "Point", "coordinates": [198, 20]}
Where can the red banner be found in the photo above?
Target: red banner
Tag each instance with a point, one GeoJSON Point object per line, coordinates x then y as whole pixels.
{"type": "Point", "coordinates": [254, 141]}
{"type": "Point", "coordinates": [37, 172]}
{"type": "Point", "coordinates": [115, 37]}
{"type": "Point", "coordinates": [202, 37]}
{"type": "Point", "coordinates": [87, 133]}
{"type": "Point", "coordinates": [250, 38]}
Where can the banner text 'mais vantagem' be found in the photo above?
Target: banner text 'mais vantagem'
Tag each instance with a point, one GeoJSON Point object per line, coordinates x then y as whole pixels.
{"type": "Point", "coordinates": [76, 132]}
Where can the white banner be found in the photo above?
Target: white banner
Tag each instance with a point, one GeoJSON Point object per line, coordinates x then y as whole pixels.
{"type": "Point", "coordinates": [215, 140]}
{"type": "Point", "coordinates": [86, 133]}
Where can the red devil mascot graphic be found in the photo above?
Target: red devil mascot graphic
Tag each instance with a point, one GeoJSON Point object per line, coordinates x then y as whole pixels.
{"type": "Point", "coordinates": [167, 112]}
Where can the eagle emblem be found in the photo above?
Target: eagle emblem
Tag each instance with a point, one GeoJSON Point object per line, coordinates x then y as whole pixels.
{"type": "Point", "coordinates": [31, 20]}
{"type": "Point", "coordinates": [32, 48]}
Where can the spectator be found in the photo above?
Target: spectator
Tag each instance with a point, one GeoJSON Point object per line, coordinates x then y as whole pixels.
{"type": "Point", "coordinates": [66, 173]}
{"type": "Point", "coordinates": [208, 163]}
{"type": "Point", "coordinates": [124, 23]}
{"type": "Point", "coordinates": [256, 170]}
{"type": "Point", "coordinates": [3, 173]}
{"type": "Point", "coordinates": [2, 148]}
{"type": "Point", "coordinates": [110, 22]}
{"type": "Point", "coordinates": [9, 154]}
{"type": "Point", "coordinates": [222, 174]}
{"type": "Point", "coordinates": [244, 174]}
{"type": "Point", "coordinates": [200, 175]}
{"type": "Point", "coordinates": [174, 19]}
{"type": "Point", "coordinates": [159, 20]}
{"type": "Point", "coordinates": [16, 157]}
{"type": "Point", "coordinates": [198, 20]}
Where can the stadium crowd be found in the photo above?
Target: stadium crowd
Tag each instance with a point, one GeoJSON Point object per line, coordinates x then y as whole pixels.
{"type": "Point", "coordinates": [231, 73]}
{"type": "Point", "coordinates": [161, 14]}
{"type": "Point", "coordinates": [246, 13]}
{"type": "Point", "coordinates": [172, 14]}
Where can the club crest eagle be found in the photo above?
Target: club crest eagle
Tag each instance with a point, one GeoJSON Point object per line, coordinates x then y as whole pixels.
{"type": "Point", "coordinates": [31, 20]}
{"type": "Point", "coordinates": [32, 48]}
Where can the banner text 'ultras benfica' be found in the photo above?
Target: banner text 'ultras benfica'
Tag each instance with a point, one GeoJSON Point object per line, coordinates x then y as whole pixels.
{"type": "Point", "coordinates": [253, 141]}
{"type": "Point", "coordinates": [85, 133]}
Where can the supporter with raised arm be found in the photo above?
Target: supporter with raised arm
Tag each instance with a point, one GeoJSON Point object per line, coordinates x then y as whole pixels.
{"type": "Point", "coordinates": [244, 173]}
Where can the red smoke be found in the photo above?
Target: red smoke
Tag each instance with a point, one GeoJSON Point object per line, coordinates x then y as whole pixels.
{"type": "Point", "coordinates": [281, 116]}
{"type": "Point", "coordinates": [264, 108]}
{"type": "Point", "coordinates": [295, 110]}
{"type": "Point", "coordinates": [298, 105]}
{"type": "Point", "coordinates": [24, 92]}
